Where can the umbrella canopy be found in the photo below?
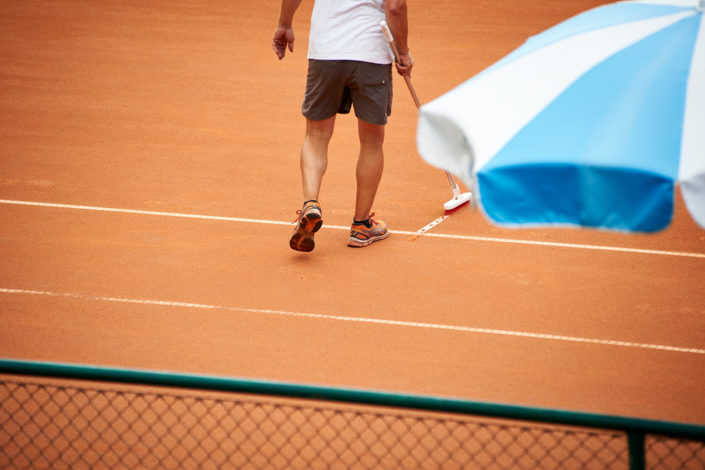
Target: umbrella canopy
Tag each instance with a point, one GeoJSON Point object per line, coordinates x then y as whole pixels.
{"type": "Point", "coordinates": [590, 123]}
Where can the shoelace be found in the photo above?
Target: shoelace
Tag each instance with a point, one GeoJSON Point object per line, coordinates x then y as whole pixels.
{"type": "Point", "coordinates": [299, 214]}
{"type": "Point", "coordinates": [298, 217]}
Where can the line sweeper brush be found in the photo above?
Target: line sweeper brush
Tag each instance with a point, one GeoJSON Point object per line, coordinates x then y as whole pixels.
{"type": "Point", "coordinates": [459, 199]}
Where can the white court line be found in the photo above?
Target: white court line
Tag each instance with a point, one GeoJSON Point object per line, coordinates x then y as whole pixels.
{"type": "Point", "coordinates": [374, 321]}
{"type": "Point", "coordinates": [340, 227]}
{"type": "Point", "coordinates": [141, 212]}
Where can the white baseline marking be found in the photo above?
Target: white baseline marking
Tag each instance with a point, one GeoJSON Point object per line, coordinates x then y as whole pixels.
{"type": "Point", "coordinates": [375, 321]}
{"type": "Point", "coordinates": [141, 212]}
{"type": "Point", "coordinates": [340, 227]}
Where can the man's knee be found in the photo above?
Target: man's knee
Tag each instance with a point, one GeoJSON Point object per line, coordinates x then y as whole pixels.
{"type": "Point", "coordinates": [370, 134]}
{"type": "Point", "coordinates": [320, 129]}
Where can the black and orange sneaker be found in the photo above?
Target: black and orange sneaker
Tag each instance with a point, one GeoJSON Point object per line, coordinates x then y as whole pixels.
{"type": "Point", "coordinates": [307, 224]}
{"type": "Point", "coordinates": [366, 232]}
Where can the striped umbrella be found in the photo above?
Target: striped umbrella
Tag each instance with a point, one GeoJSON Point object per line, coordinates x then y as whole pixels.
{"type": "Point", "coordinates": [591, 123]}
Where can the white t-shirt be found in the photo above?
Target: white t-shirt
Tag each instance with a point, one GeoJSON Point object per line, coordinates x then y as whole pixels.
{"type": "Point", "coordinates": [349, 30]}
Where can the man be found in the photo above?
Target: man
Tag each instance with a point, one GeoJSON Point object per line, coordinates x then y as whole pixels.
{"type": "Point", "coordinates": [349, 65]}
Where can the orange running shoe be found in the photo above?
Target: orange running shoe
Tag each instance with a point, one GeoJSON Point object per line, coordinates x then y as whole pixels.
{"type": "Point", "coordinates": [308, 223]}
{"type": "Point", "coordinates": [362, 235]}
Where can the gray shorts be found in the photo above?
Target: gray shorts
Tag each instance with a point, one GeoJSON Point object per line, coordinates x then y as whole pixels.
{"type": "Point", "coordinates": [332, 86]}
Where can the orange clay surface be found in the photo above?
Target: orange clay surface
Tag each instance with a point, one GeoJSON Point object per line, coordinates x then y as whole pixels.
{"type": "Point", "coordinates": [183, 108]}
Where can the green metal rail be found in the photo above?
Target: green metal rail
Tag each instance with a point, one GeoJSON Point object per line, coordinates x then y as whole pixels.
{"type": "Point", "coordinates": [635, 429]}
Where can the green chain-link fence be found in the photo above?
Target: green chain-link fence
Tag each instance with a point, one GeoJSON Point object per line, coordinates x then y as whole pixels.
{"type": "Point", "coordinates": [60, 416]}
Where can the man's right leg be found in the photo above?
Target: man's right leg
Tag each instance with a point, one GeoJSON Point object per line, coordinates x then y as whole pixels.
{"type": "Point", "coordinates": [365, 230]}
{"type": "Point", "coordinates": [314, 155]}
{"type": "Point", "coordinates": [314, 161]}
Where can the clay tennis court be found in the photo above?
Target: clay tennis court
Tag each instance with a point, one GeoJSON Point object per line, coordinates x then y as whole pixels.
{"type": "Point", "coordinates": [149, 177]}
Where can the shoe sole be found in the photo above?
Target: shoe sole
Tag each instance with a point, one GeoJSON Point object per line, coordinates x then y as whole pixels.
{"type": "Point", "coordinates": [356, 243]}
{"type": "Point", "coordinates": [302, 239]}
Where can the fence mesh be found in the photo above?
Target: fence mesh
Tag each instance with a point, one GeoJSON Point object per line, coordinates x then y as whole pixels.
{"type": "Point", "coordinates": [77, 425]}
{"type": "Point", "coordinates": [667, 453]}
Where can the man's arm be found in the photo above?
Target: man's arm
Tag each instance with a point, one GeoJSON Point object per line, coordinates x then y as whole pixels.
{"type": "Point", "coordinates": [284, 34]}
{"type": "Point", "coordinates": [399, 27]}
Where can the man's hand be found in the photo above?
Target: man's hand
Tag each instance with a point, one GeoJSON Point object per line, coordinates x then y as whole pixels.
{"type": "Point", "coordinates": [283, 38]}
{"type": "Point", "coordinates": [407, 62]}
{"type": "Point", "coordinates": [284, 34]}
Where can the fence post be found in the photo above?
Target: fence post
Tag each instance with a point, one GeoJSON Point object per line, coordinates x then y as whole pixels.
{"type": "Point", "coordinates": [637, 452]}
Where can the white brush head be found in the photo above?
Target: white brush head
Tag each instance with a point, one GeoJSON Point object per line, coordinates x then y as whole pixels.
{"type": "Point", "coordinates": [457, 201]}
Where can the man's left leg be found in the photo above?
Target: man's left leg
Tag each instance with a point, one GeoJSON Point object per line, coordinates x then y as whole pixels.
{"type": "Point", "coordinates": [314, 161]}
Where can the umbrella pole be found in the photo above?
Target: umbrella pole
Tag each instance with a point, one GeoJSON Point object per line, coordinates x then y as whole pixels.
{"type": "Point", "coordinates": [459, 199]}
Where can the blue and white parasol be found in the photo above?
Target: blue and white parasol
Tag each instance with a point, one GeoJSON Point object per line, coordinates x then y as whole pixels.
{"type": "Point", "coordinates": [591, 123]}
